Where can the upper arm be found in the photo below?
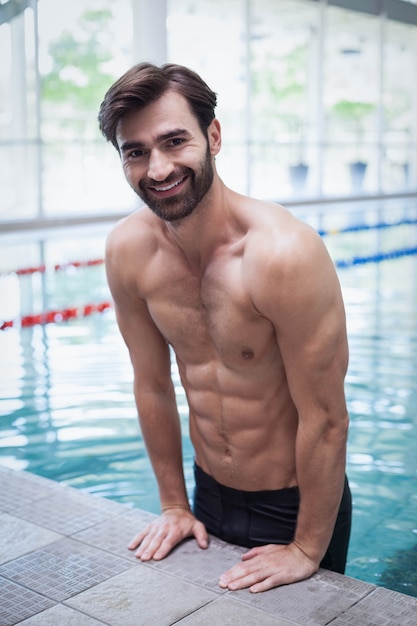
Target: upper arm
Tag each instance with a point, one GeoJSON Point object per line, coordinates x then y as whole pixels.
{"type": "Point", "coordinates": [148, 350]}
{"type": "Point", "coordinates": [301, 296]}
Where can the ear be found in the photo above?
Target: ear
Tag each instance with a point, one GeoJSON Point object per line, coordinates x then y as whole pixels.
{"type": "Point", "coordinates": [214, 135]}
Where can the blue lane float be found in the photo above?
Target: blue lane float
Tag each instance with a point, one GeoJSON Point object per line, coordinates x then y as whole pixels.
{"type": "Point", "coordinates": [376, 258]}
{"type": "Point", "coordinates": [355, 228]}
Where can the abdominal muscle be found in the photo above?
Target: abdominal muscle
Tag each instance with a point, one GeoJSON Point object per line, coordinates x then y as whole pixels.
{"type": "Point", "coordinates": [243, 430]}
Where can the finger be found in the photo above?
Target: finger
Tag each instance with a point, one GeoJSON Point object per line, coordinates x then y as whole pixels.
{"type": "Point", "coordinates": [244, 581]}
{"type": "Point", "coordinates": [150, 546]}
{"type": "Point", "coordinates": [261, 550]}
{"type": "Point", "coordinates": [265, 585]}
{"type": "Point", "coordinates": [246, 573]}
{"type": "Point", "coordinates": [232, 575]}
{"type": "Point", "coordinates": [250, 554]}
{"type": "Point", "coordinates": [201, 535]}
{"type": "Point", "coordinates": [137, 540]}
{"type": "Point", "coordinates": [164, 548]}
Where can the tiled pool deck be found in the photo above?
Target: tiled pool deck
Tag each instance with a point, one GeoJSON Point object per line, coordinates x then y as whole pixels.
{"type": "Point", "coordinates": [64, 562]}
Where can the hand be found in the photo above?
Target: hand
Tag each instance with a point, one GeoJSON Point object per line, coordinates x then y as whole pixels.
{"type": "Point", "coordinates": [269, 566]}
{"type": "Point", "coordinates": [163, 534]}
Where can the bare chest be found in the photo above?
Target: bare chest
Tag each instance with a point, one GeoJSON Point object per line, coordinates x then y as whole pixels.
{"type": "Point", "coordinates": [212, 312]}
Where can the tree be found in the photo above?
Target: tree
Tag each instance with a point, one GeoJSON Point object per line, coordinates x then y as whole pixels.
{"type": "Point", "coordinates": [78, 77]}
{"type": "Point", "coordinates": [355, 115]}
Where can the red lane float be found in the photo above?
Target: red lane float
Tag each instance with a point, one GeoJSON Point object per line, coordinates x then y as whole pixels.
{"type": "Point", "coordinates": [59, 267]}
{"type": "Point", "coordinates": [63, 315]}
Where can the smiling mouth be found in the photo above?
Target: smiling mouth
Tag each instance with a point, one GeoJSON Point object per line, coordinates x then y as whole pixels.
{"type": "Point", "coordinates": [169, 187]}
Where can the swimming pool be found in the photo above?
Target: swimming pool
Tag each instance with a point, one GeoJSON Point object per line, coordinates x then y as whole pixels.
{"type": "Point", "coordinates": [66, 403]}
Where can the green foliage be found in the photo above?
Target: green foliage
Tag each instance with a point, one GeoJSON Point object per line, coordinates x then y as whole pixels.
{"type": "Point", "coordinates": [282, 79]}
{"type": "Point", "coordinates": [279, 88]}
{"type": "Point", "coordinates": [77, 77]}
{"type": "Point", "coordinates": [353, 111]}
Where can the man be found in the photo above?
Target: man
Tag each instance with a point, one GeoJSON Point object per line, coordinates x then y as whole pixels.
{"type": "Point", "coordinates": [248, 298]}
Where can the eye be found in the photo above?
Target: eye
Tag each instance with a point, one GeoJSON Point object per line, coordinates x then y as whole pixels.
{"type": "Point", "coordinates": [135, 154]}
{"type": "Point", "coordinates": [176, 141]}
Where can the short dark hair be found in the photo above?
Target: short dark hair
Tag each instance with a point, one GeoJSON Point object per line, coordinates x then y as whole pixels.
{"type": "Point", "coordinates": [143, 84]}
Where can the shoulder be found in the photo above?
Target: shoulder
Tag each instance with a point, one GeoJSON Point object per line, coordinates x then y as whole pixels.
{"type": "Point", "coordinates": [130, 245]}
{"type": "Point", "coordinates": [280, 242]}
{"type": "Point", "coordinates": [288, 266]}
{"type": "Point", "coordinates": [130, 233]}
{"type": "Point", "coordinates": [133, 241]}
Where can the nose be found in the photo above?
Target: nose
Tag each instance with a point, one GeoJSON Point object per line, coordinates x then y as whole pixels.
{"type": "Point", "coordinates": [159, 165]}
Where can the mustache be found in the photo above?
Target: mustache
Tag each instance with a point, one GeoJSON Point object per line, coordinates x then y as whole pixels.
{"type": "Point", "coordinates": [175, 175]}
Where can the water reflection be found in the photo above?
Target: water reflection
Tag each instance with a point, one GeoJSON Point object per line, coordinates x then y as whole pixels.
{"type": "Point", "coordinates": [400, 573]}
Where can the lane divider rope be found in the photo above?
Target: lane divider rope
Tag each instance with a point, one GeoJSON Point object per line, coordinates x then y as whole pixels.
{"type": "Point", "coordinates": [59, 267]}
{"type": "Point", "coordinates": [366, 227]}
{"type": "Point", "coordinates": [323, 233]}
{"type": "Point", "coordinates": [376, 258]}
{"type": "Point", "coordinates": [62, 315]}
{"type": "Point", "coordinates": [65, 315]}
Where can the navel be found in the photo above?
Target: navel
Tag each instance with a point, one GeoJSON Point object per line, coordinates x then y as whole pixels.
{"type": "Point", "coordinates": [247, 353]}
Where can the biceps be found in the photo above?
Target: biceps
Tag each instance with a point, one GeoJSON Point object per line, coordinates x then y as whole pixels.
{"type": "Point", "coordinates": [316, 364]}
{"type": "Point", "coordinates": [148, 350]}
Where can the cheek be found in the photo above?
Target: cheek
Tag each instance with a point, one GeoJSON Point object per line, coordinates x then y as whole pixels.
{"type": "Point", "coordinates": [131, 175]}
{"type": "Point", "coordinates": [127, 176]}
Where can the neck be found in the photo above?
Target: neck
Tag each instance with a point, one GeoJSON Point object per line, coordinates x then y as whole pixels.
{"type": "Point", "coordinates": [206, 229]}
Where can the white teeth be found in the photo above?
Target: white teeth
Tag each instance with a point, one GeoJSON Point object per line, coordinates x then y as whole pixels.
{"type": "Point", "coordinates": [168, 187]}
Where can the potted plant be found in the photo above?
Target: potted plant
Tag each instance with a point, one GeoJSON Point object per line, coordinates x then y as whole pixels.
{"type": "Point", "coordinates": [355, 115]}
{"type": "Point", "coordinates": [298, 168]}
{"type": "Point", "coordinates": [279, 90]}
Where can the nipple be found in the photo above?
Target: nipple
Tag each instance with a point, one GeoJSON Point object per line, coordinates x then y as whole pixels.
{"type": "Point", "coordinates": [247, 353]}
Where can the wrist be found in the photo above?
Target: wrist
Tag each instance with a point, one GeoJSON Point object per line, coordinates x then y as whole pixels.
{"type": "Point", "coordinates": [174, 505]}
{"type": "Point", "coordinates": [313, 555]}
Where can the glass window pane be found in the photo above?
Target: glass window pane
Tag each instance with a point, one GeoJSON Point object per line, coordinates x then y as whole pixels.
{"type": "Point", "coordinates": [84, 47]}
{"type": "Point", "coordinates": [400, 108]}
{"type": "Point", "coordinates": [276, 93]}
{"type": "Point", "coordinates": [19, 145]}
{"type": "Point", "coordinates": [283, 45]}
{"type": "Point", "coordinates": [191, 25]}
{"type": "Point", "coordinates": [351, 97]}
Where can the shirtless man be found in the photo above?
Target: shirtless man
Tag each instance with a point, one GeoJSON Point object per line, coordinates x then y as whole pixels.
{"type": "Point", "coordinates": [248, 298]}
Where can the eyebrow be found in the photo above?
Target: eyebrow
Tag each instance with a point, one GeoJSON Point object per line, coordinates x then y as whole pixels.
{"type": "Point", "coordinates": [135, 145]}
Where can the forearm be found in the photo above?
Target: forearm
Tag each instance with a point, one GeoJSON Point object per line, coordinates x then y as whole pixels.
{"type": "Point", "coordinates": [161, 430]}
{"type": "Point", "coordinates": [320, 475]}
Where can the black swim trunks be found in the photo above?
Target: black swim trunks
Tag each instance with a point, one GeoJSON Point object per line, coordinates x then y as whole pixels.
{"type": "Point", "coordinates": [256, 518]}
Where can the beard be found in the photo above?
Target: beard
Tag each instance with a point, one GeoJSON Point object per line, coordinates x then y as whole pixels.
{"type": "Point", "coordinates": [182, 204]}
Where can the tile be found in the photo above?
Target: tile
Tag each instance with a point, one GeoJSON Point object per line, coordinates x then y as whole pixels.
{"type": "Point", "coordinates": [98, 581]}
{"type": "Point", "coordinates": [18, 537]}
{"type": "Point", "coordinates": [63, 569]}
{"type": "Point", "coordinates": [17, 603]}
{"type": "Point", "coordinates": [68, 511]}
{"type": "Point", "coordinates": [382, 607]}
{"type": "Point", "coordinates": [60, 615]}
{"type": "Point", "coordinates": [141, 597]}
{"type": "Point", "coordinates": [18, 489]}
{"type": "Point", "coordinates": [201, 567]}
{"type": "Point", "coordinates": [312, 602]}
{"type": "Point", "coordinates": [227, 612]}
{"type": "Point", "coordinates": [115, 534]}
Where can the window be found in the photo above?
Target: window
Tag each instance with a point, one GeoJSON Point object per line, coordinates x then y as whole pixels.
{"type": "Point", "coordinates": [222, 63]}
{"type": "Point", "coordinates": [52, 157]}
{"type": "Point", "coordinates": [84, 46]}
{"type": "Point", "coordinates": [19, 145]}
{"type": "Point", "coordinates": [399, 160]}
{"type": "Point", "coordinates": [310, 97]}
{"type": "Point", "coordinates": [350, 100]}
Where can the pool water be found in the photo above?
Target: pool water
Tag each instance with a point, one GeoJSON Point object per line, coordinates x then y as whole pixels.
{"type": "Point", "coordinates": [66, 402]}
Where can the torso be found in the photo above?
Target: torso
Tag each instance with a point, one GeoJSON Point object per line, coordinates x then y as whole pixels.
{"type": "Point", "coordinates": [242, 419]}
